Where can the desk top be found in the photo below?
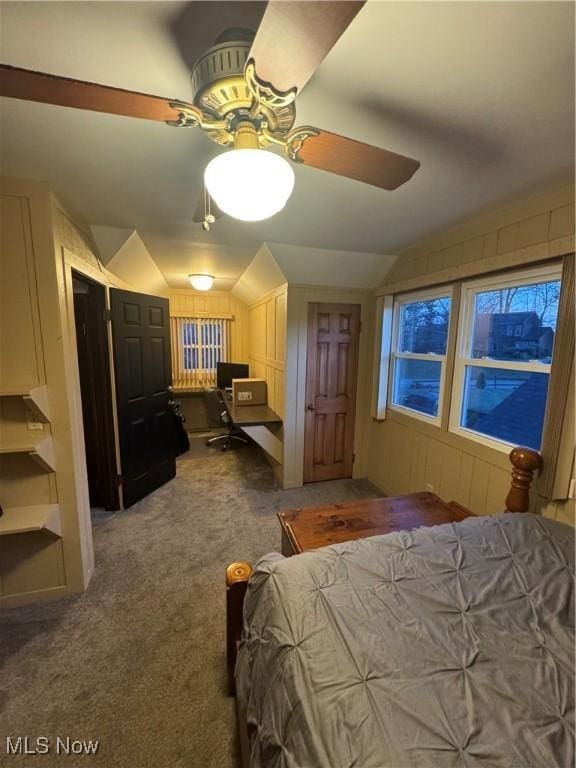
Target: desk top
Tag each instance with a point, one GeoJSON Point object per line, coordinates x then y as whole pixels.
{"type": "Point", "coordinates": [250, 415]}
{"type": "Point", "coordinates": [314, 527]}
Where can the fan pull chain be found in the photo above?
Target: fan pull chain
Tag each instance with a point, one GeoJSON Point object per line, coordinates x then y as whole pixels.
{"type": "Point", "coordinates": [209, 217]}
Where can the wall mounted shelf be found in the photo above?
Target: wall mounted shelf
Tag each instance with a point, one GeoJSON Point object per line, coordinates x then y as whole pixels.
{"type": "Point", "coordinates": [41, 517]}
{"type": "Point", "coordinates": [41, 452]}
{"type": "Point", "coordinates": [36, 399]}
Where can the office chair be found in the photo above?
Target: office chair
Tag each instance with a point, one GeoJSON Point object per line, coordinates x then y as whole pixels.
{"type": "Point", "coordinates": [218, 415]}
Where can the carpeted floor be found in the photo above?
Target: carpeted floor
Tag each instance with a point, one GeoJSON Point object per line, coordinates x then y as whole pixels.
{"type": "Point", "coordinates": [137, 662]}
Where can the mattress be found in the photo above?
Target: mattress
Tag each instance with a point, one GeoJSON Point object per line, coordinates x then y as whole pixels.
{"type": "Point", "coordinates": [443, 646]}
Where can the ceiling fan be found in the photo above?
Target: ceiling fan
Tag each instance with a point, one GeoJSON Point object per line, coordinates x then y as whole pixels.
{"type": "Point", "coordinates": [244, 89]}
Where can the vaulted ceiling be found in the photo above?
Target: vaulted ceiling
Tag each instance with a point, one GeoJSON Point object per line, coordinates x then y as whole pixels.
{"type": "Point", "coordinates": [481, 93]}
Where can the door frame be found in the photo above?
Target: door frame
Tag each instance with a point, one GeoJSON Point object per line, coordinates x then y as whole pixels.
{"type": "Point", "coordinates": [107, 455]}
{"type": "Point", "coordinates": [74, 264]}
{"type": "Point", "coordinates": [299, 297]}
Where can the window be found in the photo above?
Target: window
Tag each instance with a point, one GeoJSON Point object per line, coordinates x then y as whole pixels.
{"type": "Point", "coordinates": [501, 356]}
{"type": "Point", "coordinates": [501, 377]}
{"type": "Point", "coordinates": [198, 344]}
{"type": "Point", "coordinates": [419, 344]}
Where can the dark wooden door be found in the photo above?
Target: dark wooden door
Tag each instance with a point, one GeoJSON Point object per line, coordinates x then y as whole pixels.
{"type": "Point", "coordinates": [141, 333]}
{"type": "Point", "coordinates": [331, 373]}
{"type": "Point", "coordinates": [96, 391]}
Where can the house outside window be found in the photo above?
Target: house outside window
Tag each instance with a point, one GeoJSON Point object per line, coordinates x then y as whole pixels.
{"type": "Point", "coordinates": [501, 378]}
{"type": "Point", "coordinates": [419, 345]}
{"type": "Point", "coordinates": [499, 356]}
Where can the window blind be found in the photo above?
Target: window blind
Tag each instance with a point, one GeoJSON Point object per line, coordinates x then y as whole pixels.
{"type": "Point", "coordinates": [198, 344]}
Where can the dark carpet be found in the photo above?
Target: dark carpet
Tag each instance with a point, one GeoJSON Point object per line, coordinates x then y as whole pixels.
{"type": "Point", "coordinates": [137, 662]}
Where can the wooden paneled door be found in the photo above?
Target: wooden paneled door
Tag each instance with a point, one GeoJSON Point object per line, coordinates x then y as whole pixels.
{"type": "Point", "coordinates": [331, 377]}
{"type": "Point", "coordinates": [141, 333]}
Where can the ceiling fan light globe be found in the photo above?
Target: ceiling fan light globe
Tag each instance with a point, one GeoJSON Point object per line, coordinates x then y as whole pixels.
{"type": "Point", "coordinates": [249, 184]}
{"type": "Point", "coordinates": [201, 282]}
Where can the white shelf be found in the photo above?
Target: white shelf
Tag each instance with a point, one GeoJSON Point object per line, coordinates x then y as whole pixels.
{"type": "Point", "coordinates": [41, 517]}
{"type": "Point", "coordinates": [36, 398]}
{"type": "Point", "coordinates": [42, 452]}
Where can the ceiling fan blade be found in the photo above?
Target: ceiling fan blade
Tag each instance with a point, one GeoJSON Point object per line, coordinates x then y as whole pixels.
{"type": "Point", "coordinates": [26, 84]}
{"type": "Point", "coordinates": [356, 160]}
{"type": "Point", "coordinates": [295, 37]}
{"type": "Point", "coordinates": [200, 212]}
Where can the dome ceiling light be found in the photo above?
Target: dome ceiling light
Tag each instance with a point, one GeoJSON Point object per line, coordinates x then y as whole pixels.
{"type": "Point", "coordinates": [247, 182]}
{"type": "Point", "coordinates": [201, 282]}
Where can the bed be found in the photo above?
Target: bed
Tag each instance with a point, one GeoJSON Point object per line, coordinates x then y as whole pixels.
{"type": "Point", "coordinates": [444, 646]}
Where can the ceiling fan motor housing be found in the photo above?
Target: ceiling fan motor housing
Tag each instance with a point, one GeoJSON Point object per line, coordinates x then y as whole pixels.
{"type": "Point", "coordinates": [220, 90]}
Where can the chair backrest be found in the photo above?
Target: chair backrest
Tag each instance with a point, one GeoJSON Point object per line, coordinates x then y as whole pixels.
{"type": "Point", "coordinates": [215, 407]}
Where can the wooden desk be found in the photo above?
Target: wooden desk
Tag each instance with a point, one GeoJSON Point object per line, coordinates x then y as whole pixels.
{"type": "Point", "coordinates": [315, 527]}
{"type": "Point", "coordinates": [259, 422]}
{"type": "Point", "coordinates": [252, 415]}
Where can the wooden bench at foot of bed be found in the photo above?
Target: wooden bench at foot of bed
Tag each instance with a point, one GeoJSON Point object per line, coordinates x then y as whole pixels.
{"type": "Point", "coordinates": [364, 518]}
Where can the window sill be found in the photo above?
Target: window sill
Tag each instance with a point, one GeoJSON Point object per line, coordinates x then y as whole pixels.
{"type": "Point", "coordinates": [432, 421]}
{"type": "Point", "coordinates": [477, 437]}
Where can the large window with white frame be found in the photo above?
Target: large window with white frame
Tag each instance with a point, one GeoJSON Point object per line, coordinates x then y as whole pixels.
{"type": "Point", "coordinates": [420, 328]}
{"type": "Point", "coordinates": [504, 352]}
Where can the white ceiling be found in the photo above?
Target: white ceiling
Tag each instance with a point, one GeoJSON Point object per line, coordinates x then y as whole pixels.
{"type": "Point", "coordinates": [481, 92]}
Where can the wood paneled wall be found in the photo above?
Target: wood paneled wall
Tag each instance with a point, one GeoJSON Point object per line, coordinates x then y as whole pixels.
{"type": "Point", "coordinates": [406, 454]}
{"type": "Point", "coordinates": [32, 561]}
{"type": "Point", "coordinates": [190, 303]}
{"type": "Point", "coordinates": [37, 347]}
{"type": "Point", "coordinates": [74, 239]}
{"type": "Point", "coordinates": [406, 458]}
{"type": "Point", "coordinates": [537, 228]}
{"type": "Point", "coordinates": [267, 344]}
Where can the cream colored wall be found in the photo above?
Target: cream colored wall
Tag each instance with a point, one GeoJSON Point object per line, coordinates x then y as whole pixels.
{"type": "Point", "coordinates": [32, 561]}
{"type": "Point", "coordinates": [299, 296]}
{"type": "Point", "coordinates": [260, 277]}
{"type": "Point", "coordinates": [408, 455]}
{"type": "Point", "coordinates": [267, 344]}
{"type": "Point", "coordinates": [41, 244]}
{"type": "Point", "coordinates": [559, 507]}
{"type": "Point", "coordinates": [533, 229]}
{"type": "Point", "coordinates": [331, 268]}
{"type": "Point", "coordinates": [133, 263]}
{"type": "Point", "coordinates": [562, 510]}
{"type": "Point", "coordinates": [190, 303]}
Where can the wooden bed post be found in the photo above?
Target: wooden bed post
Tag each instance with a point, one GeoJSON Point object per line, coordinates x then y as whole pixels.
{"type": "Point", "coordinates": [525, 462]}
{"type": "Point", "coordinates": [237, 575]}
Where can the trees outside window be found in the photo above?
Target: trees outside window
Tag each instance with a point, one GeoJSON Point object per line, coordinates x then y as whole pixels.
{"type": "Point", "coordinates": [420, 337]}
{"type": "Point", "coordinates": [506, 338]}
{"type": "Point", "coordinates": [502, 359]}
